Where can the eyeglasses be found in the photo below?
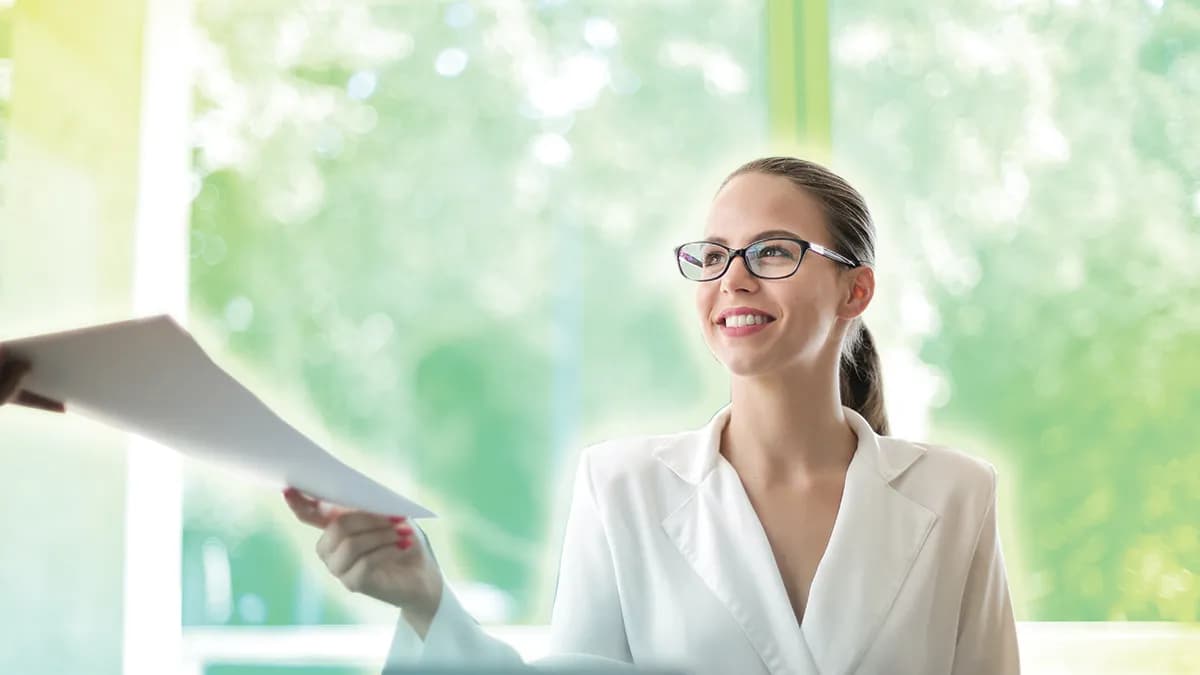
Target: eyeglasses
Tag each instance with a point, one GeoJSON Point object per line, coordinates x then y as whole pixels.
{"type": "Point", "coordinates": [775, 258]}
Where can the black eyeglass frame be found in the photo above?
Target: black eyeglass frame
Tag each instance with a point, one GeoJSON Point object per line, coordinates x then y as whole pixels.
{"type": "Point", "coordinates": [805, 247]}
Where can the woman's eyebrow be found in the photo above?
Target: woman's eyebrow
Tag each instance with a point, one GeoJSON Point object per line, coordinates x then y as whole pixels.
{"type": "Point", "coordinates": [760, 235]}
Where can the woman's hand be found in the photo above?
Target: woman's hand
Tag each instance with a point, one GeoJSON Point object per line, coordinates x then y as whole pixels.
{"type": "Point", "coordinates": [380, 556]}
{"type": "Point", "coordinates": [12, 371]}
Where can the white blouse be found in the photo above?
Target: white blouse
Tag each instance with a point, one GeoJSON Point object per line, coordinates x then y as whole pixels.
{"type": "Point", "coordinates": [665, 562]}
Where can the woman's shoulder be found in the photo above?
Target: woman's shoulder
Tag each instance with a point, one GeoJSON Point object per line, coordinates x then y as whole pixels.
{"type": "Point", "coordinates": [638, 464]}
{"type": "Point", "coordinates": [951, 462]}
{"type": "Point", "coordinates": [628, 454]}
{"type": "Point", "coordinates": [944, 478]}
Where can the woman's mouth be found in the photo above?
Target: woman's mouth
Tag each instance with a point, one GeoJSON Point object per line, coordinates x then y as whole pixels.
{"type": "Point", "coordinates": [741, 325]}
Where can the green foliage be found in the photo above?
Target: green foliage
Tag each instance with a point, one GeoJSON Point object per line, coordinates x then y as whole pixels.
{"type": "Point", "coordinates": [1034, 171]}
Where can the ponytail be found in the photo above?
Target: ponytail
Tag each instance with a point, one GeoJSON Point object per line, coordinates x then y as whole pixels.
{"type": "Point", "coordinates": [862, 380]}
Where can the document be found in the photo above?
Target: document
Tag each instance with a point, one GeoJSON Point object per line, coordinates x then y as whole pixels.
{"type": "Point", "coordinates": [151, 377]}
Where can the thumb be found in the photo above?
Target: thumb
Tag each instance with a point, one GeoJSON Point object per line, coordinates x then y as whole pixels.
{"type": "Point", "coordinates": [310, 510]}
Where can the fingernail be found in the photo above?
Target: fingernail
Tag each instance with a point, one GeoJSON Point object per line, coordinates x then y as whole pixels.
{"type": "Point", "coordinates": [397, 519]}
{"type": "Point", "coordinates": [404, 530]}
{"type": "Point", "coordinates": [404, 544]}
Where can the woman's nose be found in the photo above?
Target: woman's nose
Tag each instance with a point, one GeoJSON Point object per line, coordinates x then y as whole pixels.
{"type": "Point", "coordinates": [738, 276]}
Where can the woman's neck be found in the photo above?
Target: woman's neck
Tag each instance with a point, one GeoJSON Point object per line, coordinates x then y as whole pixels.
{"type": "Point", "coordinates": [788, 428]}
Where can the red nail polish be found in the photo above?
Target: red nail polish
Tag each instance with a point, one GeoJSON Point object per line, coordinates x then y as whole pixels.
{"type": "Point", "coordinates": [404, 530]}
{"type": "Point", "coordinates": [404, 544]}
{"type": "Point", "coordinates": [397, 519]}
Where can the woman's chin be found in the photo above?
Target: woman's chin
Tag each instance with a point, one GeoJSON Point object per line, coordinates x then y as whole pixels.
{"type": "Point", "coordinates": [748, 365]}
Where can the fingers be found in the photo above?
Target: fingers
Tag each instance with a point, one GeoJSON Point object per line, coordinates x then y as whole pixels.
{"type": "Point", "coordinates": [307, 509]}
{"type": "Point", "coordinates": [353, 543]}
{"type": "Point", "coordinates": [11, 373]}
{"type": "Point", "coordinates": [351, 550]}
{"type": "Point", "coordinates": [32, 400]}
{"type": "Point", "coordinates": [355, 578]}
{"type": "Point", "coordinates": [351, 524]}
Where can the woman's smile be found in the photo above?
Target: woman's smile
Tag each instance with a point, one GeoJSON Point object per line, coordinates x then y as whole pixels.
{"type": "Point", "coordinates": [743, 321]}
{"type": "Point", "coordinates": [743, 331]}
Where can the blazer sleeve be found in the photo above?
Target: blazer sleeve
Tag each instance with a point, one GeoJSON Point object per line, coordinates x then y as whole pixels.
{"type": "Point", "coordinates": [586, 628]}
{"type": "Point", "coordinates": [987, 632]}
{"type": "Point", "coordinates": [587, 615]}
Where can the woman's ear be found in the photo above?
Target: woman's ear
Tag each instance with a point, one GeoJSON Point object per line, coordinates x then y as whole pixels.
{"type": "Point", "coordinates": [859, 291]}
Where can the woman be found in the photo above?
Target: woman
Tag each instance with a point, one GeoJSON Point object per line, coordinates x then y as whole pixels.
{"type": "Point", "coordinates": [791, 534]}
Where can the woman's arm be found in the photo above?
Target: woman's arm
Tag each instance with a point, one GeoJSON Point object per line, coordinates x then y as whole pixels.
{"type": "Point", "coordinates": [586, 625]}
{"type": "Point", "coordinates": [987, 633]}
{"type": "Point", "coordinates": [587, 615]}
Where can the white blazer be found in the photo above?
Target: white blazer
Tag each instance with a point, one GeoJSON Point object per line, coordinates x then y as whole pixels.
{"type": "Point", "coordinates": [665, 562]}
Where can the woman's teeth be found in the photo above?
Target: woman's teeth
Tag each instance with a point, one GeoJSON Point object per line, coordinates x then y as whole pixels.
{"type": "Point", "coordinates": [739, 320]}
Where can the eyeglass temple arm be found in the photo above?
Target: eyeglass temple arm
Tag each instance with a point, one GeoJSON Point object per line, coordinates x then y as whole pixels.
{"type": "Point", "coordinates": [833, 255]}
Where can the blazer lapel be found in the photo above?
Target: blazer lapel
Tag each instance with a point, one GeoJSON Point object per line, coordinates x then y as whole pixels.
{"type": "Point", "coordinates": [876, 538]}
{"type": "Point", "coordinates": [740, 570]}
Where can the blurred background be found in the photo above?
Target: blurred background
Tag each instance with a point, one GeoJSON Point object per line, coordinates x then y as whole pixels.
{"type": "Point", "coordinates": [437, 236]}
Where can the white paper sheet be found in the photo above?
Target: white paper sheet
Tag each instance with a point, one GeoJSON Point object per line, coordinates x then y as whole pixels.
{"type": "Point", "coordinates": [150, 377]}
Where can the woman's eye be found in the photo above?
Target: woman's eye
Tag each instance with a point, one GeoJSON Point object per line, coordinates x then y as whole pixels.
{"type": "Point", "coordinates": [772, 251]}
{"type": "Point", "coordinates": [714, 259]}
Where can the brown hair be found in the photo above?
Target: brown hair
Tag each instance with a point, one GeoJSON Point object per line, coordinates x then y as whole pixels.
{"type": "Point", "coordinates": [849, 224]}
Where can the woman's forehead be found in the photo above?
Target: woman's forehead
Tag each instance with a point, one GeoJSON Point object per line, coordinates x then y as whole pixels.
{"type": "Point", "coordinates": [753, 206]}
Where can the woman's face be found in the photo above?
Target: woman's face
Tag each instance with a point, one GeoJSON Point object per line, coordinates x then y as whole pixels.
{"type": "Point", "coordinates": [804, 315]}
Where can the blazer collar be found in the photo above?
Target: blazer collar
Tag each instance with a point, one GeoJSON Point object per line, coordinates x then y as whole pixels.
{"type": "Point", "coordinates": [693, 455]}
{"type": "Point", "coordinates": [848, 599]}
